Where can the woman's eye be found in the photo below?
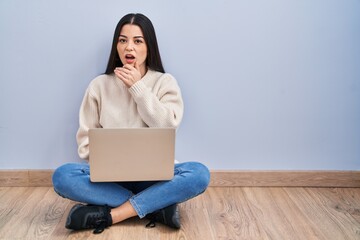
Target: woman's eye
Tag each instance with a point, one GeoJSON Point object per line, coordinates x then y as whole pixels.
{"type": "Point", "coordinates": [121, 40]}
{"type": "Point", "coordinates": [138, 41]}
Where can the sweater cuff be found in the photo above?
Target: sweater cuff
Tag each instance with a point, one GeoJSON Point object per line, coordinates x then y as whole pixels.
{"type": "Point", "coordinates": [137, 88]}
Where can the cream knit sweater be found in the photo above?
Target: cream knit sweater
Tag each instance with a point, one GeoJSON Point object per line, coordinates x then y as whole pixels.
{"type": "Point", "coordinates": [153, 101]}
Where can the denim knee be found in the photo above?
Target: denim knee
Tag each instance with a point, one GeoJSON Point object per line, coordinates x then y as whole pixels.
{"type": "Point", "coordinates": [199, 176]}
{"type": "Point", "coordinates": [63, 176]}
{"type": "Point", "coordinates": [202, 175]}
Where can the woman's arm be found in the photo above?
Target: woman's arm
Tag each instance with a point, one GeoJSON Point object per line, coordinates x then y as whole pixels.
{"type": "Point", "coordinates": [88, 118]}
{"type": "Point", "coordinates": [163, 109]}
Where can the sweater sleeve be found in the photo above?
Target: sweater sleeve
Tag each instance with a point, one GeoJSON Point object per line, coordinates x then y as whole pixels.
{"type": "Point", "coordinates": [161, 109]}
{"type": "Point", "coordinates": [88, 118]}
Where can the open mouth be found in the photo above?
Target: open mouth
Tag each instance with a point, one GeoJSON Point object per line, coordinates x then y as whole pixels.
{"type": "Point", "coordinates": [129, 56]}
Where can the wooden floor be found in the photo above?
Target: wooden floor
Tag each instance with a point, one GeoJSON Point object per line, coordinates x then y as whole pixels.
{"type": "Point", "coordinates": [220, 213]}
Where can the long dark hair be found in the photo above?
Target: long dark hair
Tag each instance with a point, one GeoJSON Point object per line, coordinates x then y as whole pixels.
{"type": "Point", "coordinates": [153, 59]}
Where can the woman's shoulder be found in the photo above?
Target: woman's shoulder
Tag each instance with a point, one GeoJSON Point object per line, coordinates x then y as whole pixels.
{"type": "Point", "coordinates": [101, 80]}
{"type": "Point", "coordinates": [101, 83]}
{"type": "Point", "coordinates": [159, 76]}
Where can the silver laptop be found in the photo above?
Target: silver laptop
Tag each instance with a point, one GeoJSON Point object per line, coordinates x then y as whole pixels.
{"type": "Point", "coordinates": [131, 154]}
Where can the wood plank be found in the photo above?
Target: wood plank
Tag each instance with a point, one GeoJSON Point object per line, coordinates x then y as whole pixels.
{"type": "Point", "coordinates": [317, 213]}
{"type": "Point", "coordinates": [226, 217]}
{"type": "Point", "coordinates": [42, 178]}
{"type": "Point", "coordinates": [249, 225]}
{"type": "Point", "coordinates": [60, 232]}
{"type": "Point", "coordinates": [18, 225]}
{"type": "Point", "coordinates": [11, 178]}
{"type": "Point", "coordinates": [11, 203]}
{"type": "Point", "coordinates": [277, 214]}
{"type": "Point", "coordinates": [219, 213]}
{"type": "Point", "coordinates": [38, 216]}
{"type": "Point", "coordinates": [351, 196]}
{"type": "Point", "coordinates": [269, 218]}
{"type": "Point", "coordinates": [3, 190]}
{"type": "Point", "coordinates": [133, 228]}
{"type": "Point", "coordinates": [285, 178]}
{"type": "Point", "coordinates": [338, 209]}
{"type": "Point", "coordinates": [51, 210]}
{"type": "Point", "coordinates": [195, 223]}
{"type": "Point", "coordinates": [26, 178]}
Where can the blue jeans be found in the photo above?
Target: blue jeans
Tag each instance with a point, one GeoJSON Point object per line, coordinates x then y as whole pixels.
{"type": "Point", "coordinates": [72, 181]}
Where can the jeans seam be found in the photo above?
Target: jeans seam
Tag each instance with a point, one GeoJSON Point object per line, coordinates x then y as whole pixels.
{"type": "Point", "coordinates": [133, 200]}
{"type": "Point", "coordinates": [135, 206]}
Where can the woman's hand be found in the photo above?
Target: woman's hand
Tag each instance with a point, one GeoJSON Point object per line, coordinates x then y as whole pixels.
{"type": "Point", "coordinates": [128, 74]}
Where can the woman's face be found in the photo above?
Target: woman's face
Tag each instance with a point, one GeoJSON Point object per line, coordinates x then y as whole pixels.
{"type": "Point", "coordinates": [131, 46]}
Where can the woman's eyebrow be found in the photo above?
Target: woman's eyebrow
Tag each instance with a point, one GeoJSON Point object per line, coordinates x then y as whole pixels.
{"type": "Point", "coordinates": [127, 37]}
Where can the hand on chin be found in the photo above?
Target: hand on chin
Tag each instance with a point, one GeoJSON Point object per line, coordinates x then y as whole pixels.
{"type": "Point", "coordinates": [129, 73]}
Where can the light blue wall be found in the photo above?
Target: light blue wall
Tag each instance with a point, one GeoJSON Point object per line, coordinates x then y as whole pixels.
{"type": "Point", "coordinates": [267, 84]}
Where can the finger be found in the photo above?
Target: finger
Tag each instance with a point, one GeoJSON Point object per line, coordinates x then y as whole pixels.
{"type": "Point", "coordinates": [128, 67]}
{"type": "Point", "coordinates": [121, 69]}
{"type": "Point", "coordinates": [124, 75]}
{"type": "Point", "coordinates": [121, 74]}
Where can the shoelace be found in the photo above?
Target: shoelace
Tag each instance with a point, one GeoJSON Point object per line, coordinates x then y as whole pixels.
{"type": "Point", "coordinates": [153, 217]}
{"type": "Point", "coordinates": [152, 222]}
{"type": "Point", "coordinates": [99, 223]}
{"type": "Point", "coordinates": [100, 228]}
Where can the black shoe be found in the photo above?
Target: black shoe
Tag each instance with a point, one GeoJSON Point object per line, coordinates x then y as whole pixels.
{"type": "Point", "coordinates": [169, 216]}
{"type": "Point", "coordinates": [89, 216]}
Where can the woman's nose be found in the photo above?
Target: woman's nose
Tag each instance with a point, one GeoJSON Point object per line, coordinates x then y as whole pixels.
{"type": "Point", "coordinates": [130, 47]}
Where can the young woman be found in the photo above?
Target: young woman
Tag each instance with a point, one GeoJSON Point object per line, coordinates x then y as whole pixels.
{"type": "Point", "coordinates": [135, 91]}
